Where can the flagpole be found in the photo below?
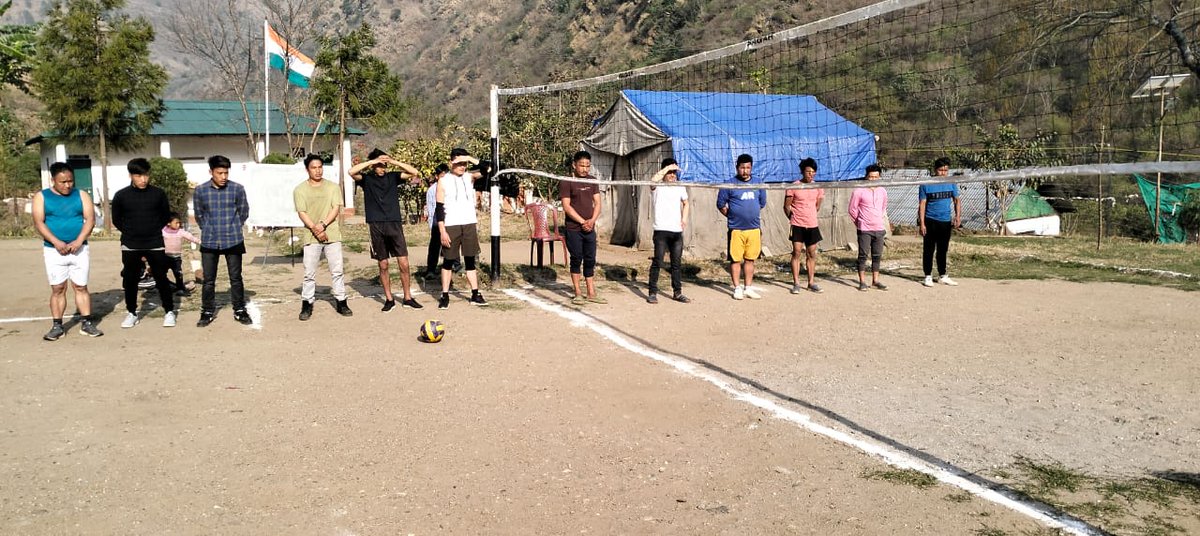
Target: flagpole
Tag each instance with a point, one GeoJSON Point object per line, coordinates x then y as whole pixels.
{"type": "Point", "coordinates": [266, 93]}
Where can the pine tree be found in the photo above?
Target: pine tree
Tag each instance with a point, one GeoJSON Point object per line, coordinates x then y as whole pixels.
{"type": "Point", "coordinates": [350, 82]}
{"type": "Point", "coordinates": [94, 75]}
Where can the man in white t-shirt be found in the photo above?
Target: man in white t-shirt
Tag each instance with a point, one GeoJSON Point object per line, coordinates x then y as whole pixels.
{"type": "Point", "coordinates": [454, 213]}
{"type": "Point", "coordinates": [670, 203]}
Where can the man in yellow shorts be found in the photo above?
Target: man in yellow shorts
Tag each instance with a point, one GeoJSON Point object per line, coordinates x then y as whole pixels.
{"type": "Point", "coordinates": [743, 208]}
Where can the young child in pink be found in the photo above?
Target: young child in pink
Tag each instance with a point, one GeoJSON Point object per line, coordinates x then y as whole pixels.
{"type": "Point", "coordinates": [173, 237]}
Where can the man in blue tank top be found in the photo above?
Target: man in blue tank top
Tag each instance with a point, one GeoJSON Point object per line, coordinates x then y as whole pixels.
{"type": "Point", "coordinates": [64, 217]}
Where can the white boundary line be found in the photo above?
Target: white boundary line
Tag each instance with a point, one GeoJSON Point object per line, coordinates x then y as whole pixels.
{"type": "Point", "coordinates": [24, 319]}
{"type": "Point", "coordinates": [252, 307]}
{"type": "Point", "coordinates": [889, 455]}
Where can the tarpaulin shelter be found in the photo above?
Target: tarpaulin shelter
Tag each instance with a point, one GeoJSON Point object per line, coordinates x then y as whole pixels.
{"type": "Point", "coordinates": [705, 132]}
{"type": "Point", "coordinates": [1029, 213]}
{"type": "Point", "coordinates": [1173, 198]}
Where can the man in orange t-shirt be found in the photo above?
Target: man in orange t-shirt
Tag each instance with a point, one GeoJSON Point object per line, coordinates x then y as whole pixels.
{"type": "Point", "coordinates": [801, 207]}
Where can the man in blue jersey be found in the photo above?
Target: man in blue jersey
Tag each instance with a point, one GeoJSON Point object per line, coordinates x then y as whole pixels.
{"type": "Point", "coordinates": [64, 217]}
{"type": "Point", "coordinates": [938, 214]}
{"type": "Point", "coordinates": [743, 208]}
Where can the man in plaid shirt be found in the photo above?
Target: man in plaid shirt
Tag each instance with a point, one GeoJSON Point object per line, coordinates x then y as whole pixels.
{"type": "Point", "coordinates": [221, 211]}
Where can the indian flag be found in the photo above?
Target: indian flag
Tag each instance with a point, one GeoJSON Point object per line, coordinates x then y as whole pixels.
{"type": "Point", "coordinates": [299, 67]}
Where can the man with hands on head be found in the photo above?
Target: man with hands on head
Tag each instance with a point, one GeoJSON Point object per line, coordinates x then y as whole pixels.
{"type": "Point", "coordinates": [381, 197]}
{"type": "Point", "coordinates": [670, 219]}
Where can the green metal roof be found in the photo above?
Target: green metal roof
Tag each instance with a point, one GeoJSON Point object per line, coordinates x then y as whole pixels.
{"type": "Point", "coordinates": [219, 118]}
{"type": "Point", "coordinates": [224, 118]}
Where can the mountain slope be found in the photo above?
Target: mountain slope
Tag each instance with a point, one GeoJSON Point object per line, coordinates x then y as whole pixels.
{"type": "Point", "coordinates": [451, 51]}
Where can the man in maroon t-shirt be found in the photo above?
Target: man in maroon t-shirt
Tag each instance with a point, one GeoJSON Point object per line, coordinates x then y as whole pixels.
{"type": "Point", "coordinates": [581, 206]}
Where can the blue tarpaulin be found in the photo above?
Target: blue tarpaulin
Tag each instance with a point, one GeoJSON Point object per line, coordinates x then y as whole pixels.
{"type": "Point", "coordinates": [707, 131]}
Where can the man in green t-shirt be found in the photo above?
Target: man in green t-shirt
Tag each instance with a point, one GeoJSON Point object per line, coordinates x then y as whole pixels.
{"type": "Point", "coordinates": [318, 202]}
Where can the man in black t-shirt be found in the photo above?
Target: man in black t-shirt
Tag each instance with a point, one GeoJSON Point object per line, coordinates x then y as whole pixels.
{"type": "Point", "coordinates": [381, 197]}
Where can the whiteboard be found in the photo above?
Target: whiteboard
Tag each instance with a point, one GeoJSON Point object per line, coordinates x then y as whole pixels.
{"type": "Point", "coordinates": [269, 191]}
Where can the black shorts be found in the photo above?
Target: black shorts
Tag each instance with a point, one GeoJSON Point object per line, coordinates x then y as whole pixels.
{"type": "Point", "coordinates": [807, 235]}
{"type": "Point", "coordinates": [387, 240]}
{"type": "Point", "coordinates": [464, 239]}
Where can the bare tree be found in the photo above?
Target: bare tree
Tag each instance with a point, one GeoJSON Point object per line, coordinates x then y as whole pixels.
{"type": "Point", "coordinates": [1172, 27]}
{"type": "Point", "coordinates": [948, 84]}
{"type": "Point", "coordinates": [228, 47]}
{"type": "Point", "coordinates": [1178, 23]}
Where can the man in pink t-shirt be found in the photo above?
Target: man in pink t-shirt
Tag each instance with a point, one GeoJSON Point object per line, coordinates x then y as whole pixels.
{"type": "Point", "coordinates": [801, 207]}
{"type": "Point", "coordinates": [868, 209]}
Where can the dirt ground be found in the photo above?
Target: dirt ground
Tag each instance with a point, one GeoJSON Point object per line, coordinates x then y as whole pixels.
{"type": "Point", "coordinates": [522, 422]}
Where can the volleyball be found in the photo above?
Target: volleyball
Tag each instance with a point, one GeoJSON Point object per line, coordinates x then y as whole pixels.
{"type": "Point", "coordinates": [432, 331]}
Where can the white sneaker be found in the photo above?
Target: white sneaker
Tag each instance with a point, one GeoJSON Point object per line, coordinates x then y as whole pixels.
{"type": "Point", "coordinates": [947, 281]}
{"type": "Point", "coordinates": [169, 319]}
{"type": "Point", "coordinates": [739, 293]}
{"type": "Point", "coordinates": [928, 281]}
{"type": "Point", "coordinates": [131, 319]}
{"type": "Point", "coordinates": [753, 294]}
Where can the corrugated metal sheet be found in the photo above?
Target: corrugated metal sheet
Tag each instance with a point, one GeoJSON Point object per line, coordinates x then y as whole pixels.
{"type": "Point", "coordinates": [980, 209]}
{"type": "Point", "coordinates": [223, 118]}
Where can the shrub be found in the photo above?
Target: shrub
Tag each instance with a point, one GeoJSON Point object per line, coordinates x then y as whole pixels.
{"type": "Point", "coordinates": [168, 174]}
{"type": "Point", "coordinates": [1189, 215]}
{"type": "Point", "coordinates": [278, 158]}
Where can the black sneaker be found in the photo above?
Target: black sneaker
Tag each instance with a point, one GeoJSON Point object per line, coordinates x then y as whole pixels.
{"type": "Point", "coordinates": [477, 299]}
{"type": "Point", "coordinates": [305, 310]}
{"type": "Point", "coordinates": [444, 301]}
{"type": "Point", "coordinates": [411, 304]}
{"type": "Point", "coordinates": [679, 297]}
{"type": "Point", "coordinates": [242, 317]}
{"type": "Point", "coordinates": [344, 309]}
{"type": "Point", "coordinates": [652, 298]}
{"type": "Point", "coordinates": [388, 305]}
{"type": "Point", "coordinates": [206, 318]}
{"type": "Point", "coordinates": [90, 329]}
{"type": "Point", "coordinates": [56, 331]}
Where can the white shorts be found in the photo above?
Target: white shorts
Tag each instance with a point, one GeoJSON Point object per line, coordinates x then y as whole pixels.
{"type": "Point", "coordinates": [61, 267]}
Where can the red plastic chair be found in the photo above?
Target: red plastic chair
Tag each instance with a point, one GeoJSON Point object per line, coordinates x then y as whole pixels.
{"type": "Point", "coordinates": [543, 227]}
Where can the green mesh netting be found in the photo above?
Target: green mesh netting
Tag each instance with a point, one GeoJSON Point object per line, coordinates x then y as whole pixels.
{"type": "Point", "coordinates": [1173, 197]}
